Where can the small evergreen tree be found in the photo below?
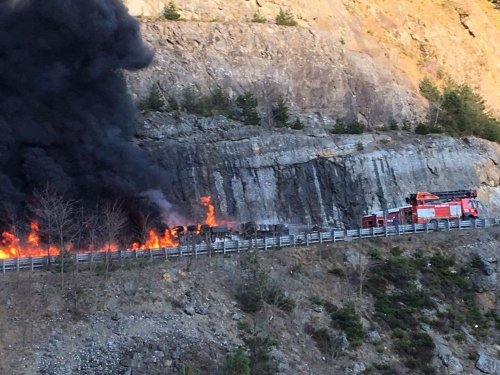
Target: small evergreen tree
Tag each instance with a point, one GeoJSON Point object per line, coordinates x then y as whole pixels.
{"type": "Point", "coordinates": [247, 103]}
{"type": "Point", "coordinates": [356, 127]}
{"type": "Point", "coordinates": [170, 11]}
{"type": "Point", "coordinates": [219, 101]}
{"type": "Point", "coordinates": [153, 102]}
{"type": "Point", "coordinates": [280, 113]}
{"type": "Point", "coordinates": [258, 18]}
{"type": "Point", "coordinates": [340, 127]}
{"type": "Point", "coordinates": [285, 18]}
{"type": "Point", "coordinates": [238, 363]}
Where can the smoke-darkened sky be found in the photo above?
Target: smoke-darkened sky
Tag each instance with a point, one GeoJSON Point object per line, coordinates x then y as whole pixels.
{"type": "Point", "coordinates": [65, 116]}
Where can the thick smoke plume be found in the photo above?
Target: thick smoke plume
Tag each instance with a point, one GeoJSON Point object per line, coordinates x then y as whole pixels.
{"type": "Point", "coordinates": [65, 116]}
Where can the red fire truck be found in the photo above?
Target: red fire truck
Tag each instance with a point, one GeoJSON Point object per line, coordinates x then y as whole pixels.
{"type": "Point", "coordinates": [427, 207]}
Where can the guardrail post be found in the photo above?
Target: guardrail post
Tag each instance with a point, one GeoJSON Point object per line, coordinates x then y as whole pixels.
{"type": "Point", "coordinates": [307, 239]}
{"type": "Point", "coordinates": [293, 240]}
{"type": "Point", "coordinates": [33, 267]}
{"type": "Point", "coordinates": [320, 237]}
{"type": "Point", "coordinates": [279, 241]}
{"type": "Point", "coordinates": [17, 265]}
{"type": "Point", "coordinates": [426, 227]}
{"type": "Point", "coordinates": [474, 224]}
{"type": "Point", "coordinates": [373, 231]}
{"type": "Point", "coordinates": [359, 233]}
{"type": "Point", "coordinates": [385, 230]}
{"type": "Point", "coordinates": [265, 243]}
{"type": "Point", "coordinates": [237, 246]}
{"type": "Point", "coordinates": [76, 262]}
{"type": "Point", "coordinates": [224, 247]}
{"type": "Point", "coordinates": [3, 266]}
{"type": "Point", "coordinates": [333, 236]}
{"type": "Point", "coordinates": [459, 224]}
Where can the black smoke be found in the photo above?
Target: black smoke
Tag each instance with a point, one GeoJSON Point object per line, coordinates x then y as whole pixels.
{"type": "Point", "coordinates": [65, 116]}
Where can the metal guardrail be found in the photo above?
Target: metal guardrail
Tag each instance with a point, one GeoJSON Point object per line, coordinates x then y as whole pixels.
{"type": "Point", "coordinates": [236, 246]}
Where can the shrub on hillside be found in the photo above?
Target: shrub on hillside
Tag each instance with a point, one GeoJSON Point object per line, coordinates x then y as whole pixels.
{"type": "Point", "coordinates": [258, 18]}
{"type": "Point", "coordinates": [285, 18]}
{"type": "Point", "coordinates": [247, 104]}
{"type": "Point", "coordinates": [348, 321]}
{"type": "Point", "coordinates": [238, 363]}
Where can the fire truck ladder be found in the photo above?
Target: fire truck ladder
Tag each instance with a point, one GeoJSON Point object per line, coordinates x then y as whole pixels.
{"type": "Point", "coordinates": [444, 196]}
{"type": "Point", "coordinates": [456, 194]}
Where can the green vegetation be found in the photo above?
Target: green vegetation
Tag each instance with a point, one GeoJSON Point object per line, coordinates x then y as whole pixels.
{"type": "Point", "coordinates": [238, 363]}
{"type": "Point", "coordinates": [459, 111]}
{"type": "Point", "coordinates": [324, 341]}
{"type": "Point", "coordinates": [348, 321]}
{"type": "Point", "coordinates": [258, 18]}
{"type": "Point", "coordinates": [187, 370]}
{"type": "Point", "coordinates": [170, 11]}
{"type": "Point", "coordinates": [280, 113]}
{"type": "Point", "coordinates": [247, 103]}
{"type": "Point", "coordinates": [260, 361]}
{"type": "Point", "coordinates": [353, 127]}
{"type": "Point", "coordinates": [153, 102]}
{"type": "Point", "coordinates": [285, 18]}
{"type": "Point", "coordinates": [257, 288]}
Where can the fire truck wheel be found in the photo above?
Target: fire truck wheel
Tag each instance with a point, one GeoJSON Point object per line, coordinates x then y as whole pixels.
{"type": "Point", "coordinates": [454, 223]}
{"type": "Point", "coordinates": [433, 224]}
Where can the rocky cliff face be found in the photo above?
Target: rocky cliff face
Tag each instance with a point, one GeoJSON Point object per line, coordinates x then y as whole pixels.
{"type": "Point", "coordinates": [311, 176]}
{"type": "Point", "coordinates": [358, 60]}
{"type": "Point", "coordinates": [320, 79]}
{"type": "Point", "coordinates": [407, 39]}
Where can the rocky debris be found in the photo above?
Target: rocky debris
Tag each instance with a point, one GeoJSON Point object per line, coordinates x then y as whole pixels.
{"type": "Point", "coordinates": [356, 368]}
{"type": "Point", "coordinates": [444, 353]}
{"type": "Point", "coordinates": [236, 316]}
{"type": "Point", "coordinates": [488, 364]}
{"type": "Point", "coordinates": [486, 277]}
{"type": "Point", "coordinates": [373, 337]}
{"type": "Point", "coordinates": [354, 257]}
{"type": "Point", "coordinates": [130, 288]}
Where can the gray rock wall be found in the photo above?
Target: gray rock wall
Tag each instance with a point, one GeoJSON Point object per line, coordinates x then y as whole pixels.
{"type": "Point", "coordinates": [311, 176]}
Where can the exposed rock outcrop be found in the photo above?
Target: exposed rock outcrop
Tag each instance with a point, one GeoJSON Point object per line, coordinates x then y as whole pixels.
{"type": "Point", "coordinates": [311, 176]}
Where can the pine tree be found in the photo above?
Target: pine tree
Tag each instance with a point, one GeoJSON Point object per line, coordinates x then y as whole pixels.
{"type": "Point", "coordinates": [280, 113]}
{"type": "Point", "coordinates": [170, 12]}
{"type": "Point", "coordinates": [285, 18]}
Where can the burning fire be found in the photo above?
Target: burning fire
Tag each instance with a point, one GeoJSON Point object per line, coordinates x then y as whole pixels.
{"type": "Point", "coordinates": [210, 217]}
{"type": "Point", "coordinates": [11, 246]}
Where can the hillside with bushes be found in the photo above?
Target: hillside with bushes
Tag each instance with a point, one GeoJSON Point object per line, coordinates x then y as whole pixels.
{"type": "Point", "coordinates": [415, 304]}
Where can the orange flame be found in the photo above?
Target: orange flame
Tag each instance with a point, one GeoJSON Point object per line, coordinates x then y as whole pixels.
{"type": "Point", "coordinates": [12, 246]}
{"type": "Point", "coordinates": [155, 241]}
{"type": "Point", "coordinates": [210, 216]}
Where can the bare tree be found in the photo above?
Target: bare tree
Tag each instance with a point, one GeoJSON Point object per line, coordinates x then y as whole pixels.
{"type": "Point", "coordinates": [58, 221]}
{"type": "Point", "coordinates": [363, 270]}
{"type": "Point", "coordinates": [113, 222]}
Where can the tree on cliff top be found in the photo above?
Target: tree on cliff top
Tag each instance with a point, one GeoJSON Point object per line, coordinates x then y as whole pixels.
{"type": "Point", "coordinates": [170, 11]}
{"type": "Point", "coordinates": [458, 110]}
{"type": "Point", "coordinates": [285, 18]}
